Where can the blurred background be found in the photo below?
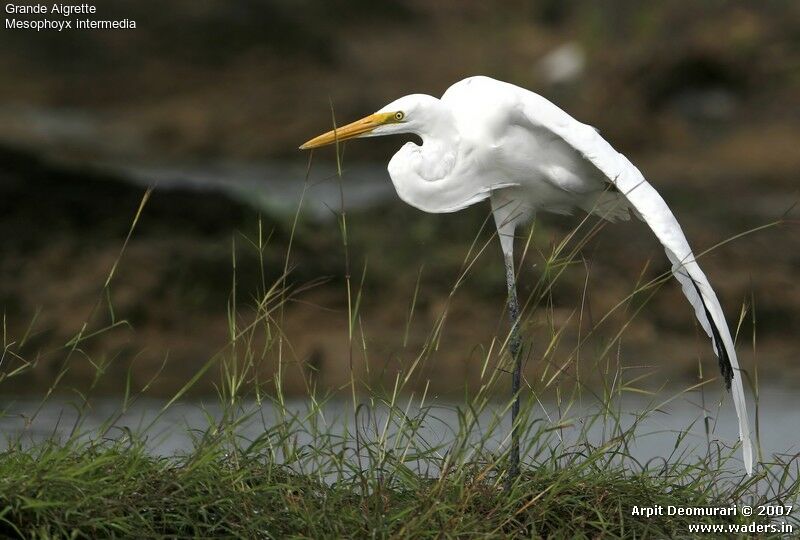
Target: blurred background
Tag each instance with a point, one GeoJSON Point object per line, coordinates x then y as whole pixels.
{"type": "Point", "coordinates": [208, 101]}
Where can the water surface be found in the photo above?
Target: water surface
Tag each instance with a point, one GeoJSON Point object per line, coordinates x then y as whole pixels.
{"type": "Point", "coordinates": [171, 432]}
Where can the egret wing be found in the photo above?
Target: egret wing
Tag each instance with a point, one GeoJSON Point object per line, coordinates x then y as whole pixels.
{"type": "Point", "coordinates": [540, 113]}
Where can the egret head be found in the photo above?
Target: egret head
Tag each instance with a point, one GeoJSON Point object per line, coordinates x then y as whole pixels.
{"type": "Point", "coordinates": [404, 115]}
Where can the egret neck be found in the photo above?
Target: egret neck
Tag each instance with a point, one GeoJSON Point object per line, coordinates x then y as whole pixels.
{"type": "Point", "coordinates": [436, 127]}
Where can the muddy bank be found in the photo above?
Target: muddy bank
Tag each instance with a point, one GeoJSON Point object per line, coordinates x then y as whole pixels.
{"type": "Point", "coordinates": [63, 230]}
{"type": "Point", "coordinates": [702, 98]}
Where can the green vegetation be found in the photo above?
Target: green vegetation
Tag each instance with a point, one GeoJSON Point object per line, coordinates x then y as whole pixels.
{"type": "Point", "coordinates": [374, 473]}
{"type": "Point", "coordinates": [225, 489]}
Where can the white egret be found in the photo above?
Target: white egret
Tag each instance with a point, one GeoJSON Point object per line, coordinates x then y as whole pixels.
{"type": "Point", "coordinates": [487, 139]}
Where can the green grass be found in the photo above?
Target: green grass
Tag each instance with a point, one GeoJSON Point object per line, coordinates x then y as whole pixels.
{"type": "Point", "coordinates": [373, 475]}
{"type": "Point", "coordinates": [337, 485]}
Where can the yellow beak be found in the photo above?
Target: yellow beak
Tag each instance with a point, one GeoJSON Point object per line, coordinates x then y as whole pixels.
{"type": "Point", "coordinates": [359, 127]}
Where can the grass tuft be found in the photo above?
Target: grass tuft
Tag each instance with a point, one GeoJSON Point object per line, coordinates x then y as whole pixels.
{"type": "Point", "coordinates": [384, 462]}
{"type": "Point", "coordinates": [119, 489]}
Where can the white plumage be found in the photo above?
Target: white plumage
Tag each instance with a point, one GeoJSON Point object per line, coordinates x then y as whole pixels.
{"type": "Point", "coordinates": [489, 139]}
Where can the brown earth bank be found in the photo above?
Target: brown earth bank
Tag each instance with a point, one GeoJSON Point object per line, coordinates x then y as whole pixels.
{"type": "Point", "coordinates": [63, 231]}
{"type": "Point", "coordinates": [703, 97]}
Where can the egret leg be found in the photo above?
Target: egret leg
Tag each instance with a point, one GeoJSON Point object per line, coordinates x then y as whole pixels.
{"type": "Point", "coordinates": [515, 347]}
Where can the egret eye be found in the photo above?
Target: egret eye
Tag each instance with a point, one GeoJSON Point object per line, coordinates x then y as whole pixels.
{"type": "Point", "coordinates": [398, 116]}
